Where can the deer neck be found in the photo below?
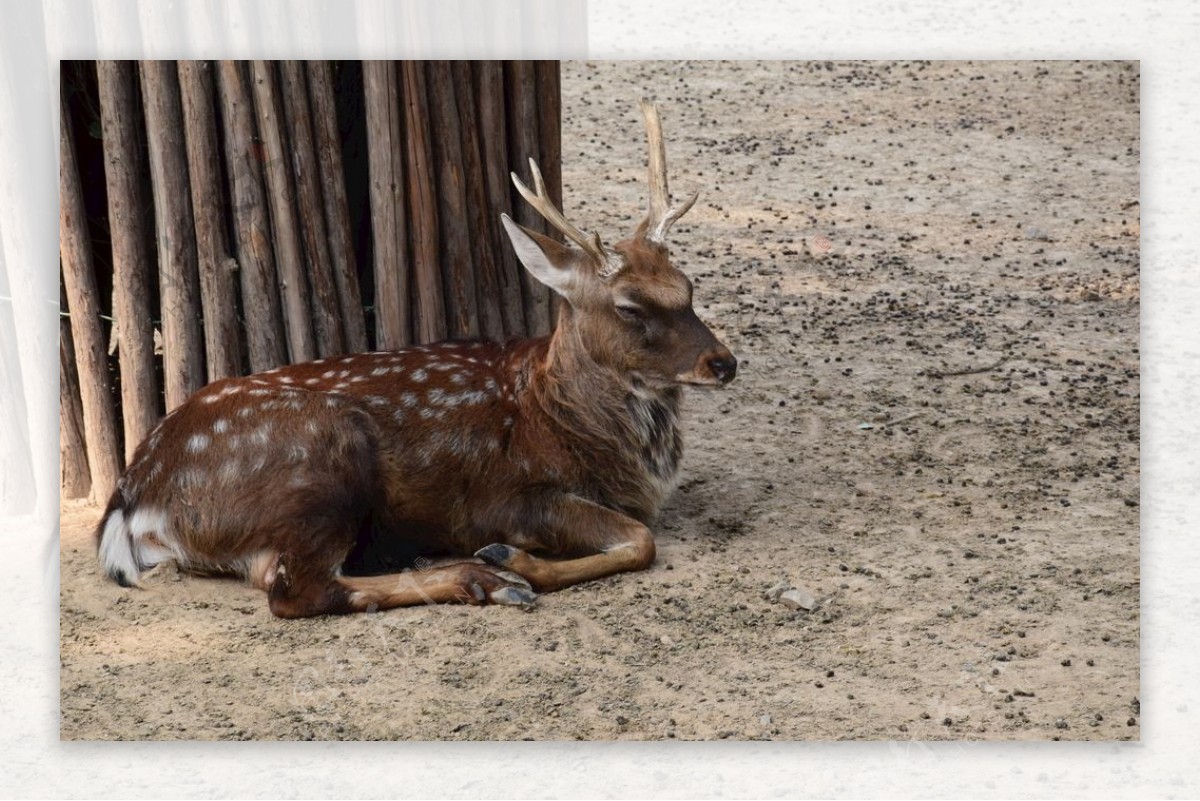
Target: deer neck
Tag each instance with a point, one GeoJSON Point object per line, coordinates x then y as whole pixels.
{"type": "Point", "coordinates": [608, 414]}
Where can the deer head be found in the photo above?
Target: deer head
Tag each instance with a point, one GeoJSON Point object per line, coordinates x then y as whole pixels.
{"type": "Point", "coordinates": [628, 307]}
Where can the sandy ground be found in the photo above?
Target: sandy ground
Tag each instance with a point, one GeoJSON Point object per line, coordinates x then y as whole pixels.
{"type": "Point", "coordinates": [930, 273]}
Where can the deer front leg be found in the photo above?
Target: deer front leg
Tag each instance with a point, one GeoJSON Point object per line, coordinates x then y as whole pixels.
{"type": "Point", "coordinates": [617, 543]}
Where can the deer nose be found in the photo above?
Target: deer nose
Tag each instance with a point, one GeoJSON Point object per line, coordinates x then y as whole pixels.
{"type": "Point", "coordinates": [723, 367]}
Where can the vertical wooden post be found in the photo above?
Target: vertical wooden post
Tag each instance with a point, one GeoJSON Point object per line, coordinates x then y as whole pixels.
{"type": "Point", "coordinates": [255, 255]}
{"type": "Point", "coordinates": [337, 212]}
{"type": "Point", "coordinates": [79, 281]}
{"type": "Point", "coordinates": [124, 167]}
{"type": "Point", "coordinates": [422, 203]}
{"type": "Point", "coordinates": [389, 220]}
{"type": "Point", "coordinates": [218, 295]}
{"type": "Point", "coordinates": [550, 145]}
{"type": "Point", "coordinates": [288, 255]}
{"type": "Point", "coordinates": [457, 264]}
{"type": "Point", "coordinates": [521, 93]}
{"type": "Point", "coordinates": [484, 259]}
{"type": "Point", "coordinates": [75, 481]}
{"type": "Point", "coordinates": [493, 123]}
{"type": "Point", "coordinates": [183, 351]}
{"type": "Point", "coordinates": [311, 213]}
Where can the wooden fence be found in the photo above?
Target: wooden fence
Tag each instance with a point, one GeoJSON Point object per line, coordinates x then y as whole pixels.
{"type": "Point", "coordinates": [223, 218]}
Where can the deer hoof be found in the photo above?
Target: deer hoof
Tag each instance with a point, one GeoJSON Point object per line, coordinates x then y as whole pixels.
{"type": "Point", "coordinates": [497, 554]}
{"type": "Point", "coordinates": [513, 578]}
{"type": "Point", "coordinates": [513, 596]}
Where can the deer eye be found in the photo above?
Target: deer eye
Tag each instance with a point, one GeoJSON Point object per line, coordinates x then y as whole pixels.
{"type": "Point", "coordinates": [630, 313]}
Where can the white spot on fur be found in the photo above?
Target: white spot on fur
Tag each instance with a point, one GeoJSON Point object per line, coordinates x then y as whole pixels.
{"type": "Point", "coordinates": [409, 399]}
{"type": "Point", "coordinates": [261, 435]}
{"type": "Point", "coordinates": [245, 411]}
{"type": "Point", "coordinates": [474, 396]}
{"type": "Point", "coordinates": [380, 371]}
{"type": "Point", "coordinates": [419, 375]}
{"type": "Point", "coordinates": [311, 381]}
{"type": "Point", "coordinates": [341, 385]}
{"type": "Point", "coordinates": [287, 379]}
{"type": "Point", "coordinates": [328, 374]}
{"type": "Point", "coordinates": [197, 443]}
{"type": "Point", "coordinates": [221, 426]}
{"type": "Point", "coordinates": [312, 427]}
{"type": "Point", "coordinates": [347, 360]}
{"type": "Point", "coordinates": [116, 550]}
{"type": "Point", "coordinates": [258, 393]}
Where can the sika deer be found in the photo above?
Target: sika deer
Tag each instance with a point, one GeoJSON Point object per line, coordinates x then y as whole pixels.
{"type": "Point", "coordinates": [545, 458]}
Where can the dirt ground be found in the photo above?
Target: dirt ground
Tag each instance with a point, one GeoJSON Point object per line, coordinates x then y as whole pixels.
{"type": "Point", "coordinates": [930, 274]}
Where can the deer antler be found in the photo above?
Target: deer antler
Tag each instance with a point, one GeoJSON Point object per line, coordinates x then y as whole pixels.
{"type": "Point", "coordinates": [540, 200]}
{"type": "Point", "coordinates": [661, 216]}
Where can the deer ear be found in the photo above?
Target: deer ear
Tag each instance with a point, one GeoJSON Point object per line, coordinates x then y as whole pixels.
{"type": "Point", "coordinates": [550, 262]}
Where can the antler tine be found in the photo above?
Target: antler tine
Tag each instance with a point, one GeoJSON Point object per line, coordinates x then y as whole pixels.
{"type": "Point", "coordinates": [660, 216]}
{"type": "Point", "coordinates": [540, 200]}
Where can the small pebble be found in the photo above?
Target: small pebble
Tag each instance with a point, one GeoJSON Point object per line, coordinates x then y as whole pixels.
{"type": "Point", "coordinates": [798, 599]}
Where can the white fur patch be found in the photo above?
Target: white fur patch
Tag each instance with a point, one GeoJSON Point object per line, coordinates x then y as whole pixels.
{"type": "Point", "coordinates": [221, 426]}
{"type": "Point", "coordinates": [419, 375]}
{"type": "Point", "coordinates": [197, 443]}
{"type": "Point", "coordinates": [116, 550]}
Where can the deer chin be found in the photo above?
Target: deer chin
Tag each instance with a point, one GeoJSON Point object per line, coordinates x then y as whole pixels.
{"type": "Point", "coordinates": [693, 380]}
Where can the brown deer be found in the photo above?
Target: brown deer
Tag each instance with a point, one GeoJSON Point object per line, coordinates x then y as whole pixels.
{"type": "Point", "coordinates": [323, 483]}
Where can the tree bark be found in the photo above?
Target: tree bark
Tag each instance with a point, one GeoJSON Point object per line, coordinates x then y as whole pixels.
{"type": "Point", "coordinates": [389, 226]}
{"type": "Point", "coordinates": [429, 306]}
{"type": "Point", "coordinates": [521, 95]}
{"type": "Point", "coordinates": [282, 200]}
{"type": "Point", "coordinates": [128, 218]}
{"type": "Point", "coordinates": [75, 480]}
{"type": "Point", "coordinates": [79, 281]}
{"type": "Point", "coordinates": [325, 306]}
{"type": "Point", "coordinates": [218, 295]}
{"type": "Point", "coordinates": [493, 124]}
{"type": "Point", "coordinates": [265, 342]}
{"type": "Point", "coordinates": [479, 216]}
{"type": "Point", "coordinates": [550, 145]}
{"type": "Point", "coordinates": [454, 234]}
{"type": "Point", "coordinates": [337, 212]}
{"type": "Point", "coordinates": [183, 346]}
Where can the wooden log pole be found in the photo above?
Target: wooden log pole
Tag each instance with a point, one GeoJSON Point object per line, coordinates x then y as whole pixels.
{"type": "Point", "coordinates": [493, 121]}
{"type": "Point", "coordinates": [218, 291]}
{"type": "Point", "coordinates": [183, 344]}
{"type": "Point", "coordinates": [549, 110]}
{"type": "Point", "coordinates": [281, 196]}
{"type": "Point", "coordinates": [264, 333]}
{"type": "Point", "coordinates": [479, 214]}
{"type": "Point", "coordinates": [521, 97]}
{"type": "Point", "coordinates": [124, 168]}
{"type": "Point", "coordinates": [79, 282]}
{"type": "Point", "coordinates": [337, 210]}
{"type": "Point", "coordinates": [454, 234]}
{"type": "Point", "coordinates": [430, 323]}
{"type": "Point", "coordinates": [75, 480]}
{"type": "Point", "coordinates": [326, 313]}
{"type": "Point", "coordinates": [389, 221]}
